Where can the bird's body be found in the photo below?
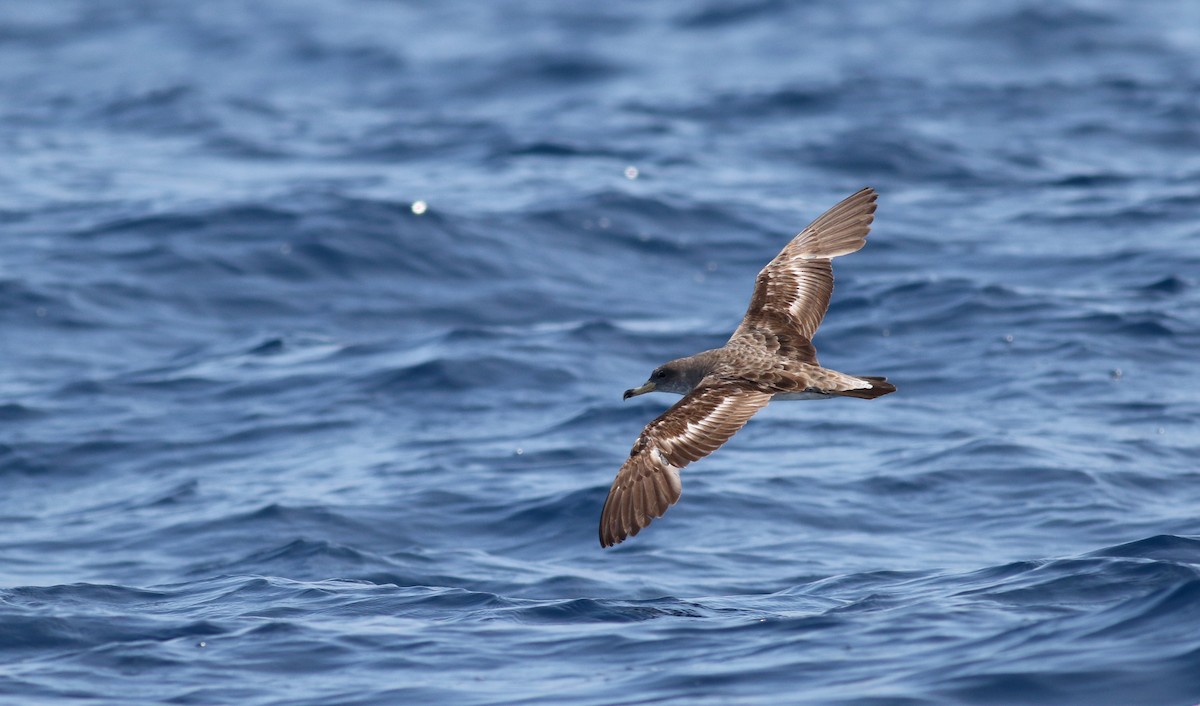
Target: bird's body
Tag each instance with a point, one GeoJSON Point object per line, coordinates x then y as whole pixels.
{"type": "Point", "coordinates": [770, 356]}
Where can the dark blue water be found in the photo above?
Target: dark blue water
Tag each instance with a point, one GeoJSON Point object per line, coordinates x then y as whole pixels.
{"type": "Point", "coordinates": [269, 436]}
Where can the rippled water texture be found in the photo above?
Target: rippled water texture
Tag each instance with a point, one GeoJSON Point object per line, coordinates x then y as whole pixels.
{"type": "Point", "coordinates": [271, 436]}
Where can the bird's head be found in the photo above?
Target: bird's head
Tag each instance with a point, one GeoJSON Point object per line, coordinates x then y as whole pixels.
{"type": "Point", "coordinates": [668, 377]}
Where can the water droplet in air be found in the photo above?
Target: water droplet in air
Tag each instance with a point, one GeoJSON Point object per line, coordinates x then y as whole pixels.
{"type": "Point", "coordinates": [419, 207]}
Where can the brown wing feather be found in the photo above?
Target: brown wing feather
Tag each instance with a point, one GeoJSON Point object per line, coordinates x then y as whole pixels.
{"type": "Point", "coordinates": [793, 290]}
{"type": "Point", "coordinates": [648, 482]}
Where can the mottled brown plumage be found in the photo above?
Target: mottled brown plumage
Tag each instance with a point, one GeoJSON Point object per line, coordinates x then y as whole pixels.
{"type": "Point", "coordinates": [770, 355]}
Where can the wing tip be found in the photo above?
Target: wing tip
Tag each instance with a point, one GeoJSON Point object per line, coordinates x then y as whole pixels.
{"type": "Point", "coordinates": [616, 535]}
{"type": "Point", "coordinates": [607, 541]}
{"type": "Point", "coordinates": [841, 230]}
{"type": "Point", "coordinates": [624, 517]}
{"type": "Point", "coordinates": [613, 530]}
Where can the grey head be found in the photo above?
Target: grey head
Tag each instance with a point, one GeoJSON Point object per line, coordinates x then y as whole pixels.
{"type": "Point", "coordinates": [678, 376]}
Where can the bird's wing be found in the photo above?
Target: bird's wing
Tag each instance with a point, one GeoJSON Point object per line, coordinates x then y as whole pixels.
{"type": "Point", "coordinates": [648, 483]}
{"type": "Point", "coordinates": [792, 292]}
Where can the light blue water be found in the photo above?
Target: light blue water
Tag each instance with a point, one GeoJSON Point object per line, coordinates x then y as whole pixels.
{"type": "Point", "coordinates": [267, 436]}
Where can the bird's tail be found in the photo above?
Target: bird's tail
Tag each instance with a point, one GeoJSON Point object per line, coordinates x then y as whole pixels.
{"type": "Point", "coordinates": [879, 387]}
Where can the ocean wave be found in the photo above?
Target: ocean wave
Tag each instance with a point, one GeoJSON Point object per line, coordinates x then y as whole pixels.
{"type": "Point", "coordinates": [316, 319]}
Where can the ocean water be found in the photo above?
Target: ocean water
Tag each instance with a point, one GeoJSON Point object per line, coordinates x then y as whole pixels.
{"type": "Point", "coordinates": [315, 318]}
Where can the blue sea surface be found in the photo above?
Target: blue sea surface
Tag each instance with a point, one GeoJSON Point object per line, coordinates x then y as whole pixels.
{"type": "Point", "coordinates": [315, 318]}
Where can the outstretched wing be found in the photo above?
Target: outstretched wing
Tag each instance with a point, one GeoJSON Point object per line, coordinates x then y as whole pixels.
{"type": "Point", "coordinates": [648, 483]}
{"type": "Point", "coordinates": [792, 292]}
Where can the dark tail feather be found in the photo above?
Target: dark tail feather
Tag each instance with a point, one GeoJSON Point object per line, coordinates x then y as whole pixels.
{"type": "Point", "coordinates": [879, 387]}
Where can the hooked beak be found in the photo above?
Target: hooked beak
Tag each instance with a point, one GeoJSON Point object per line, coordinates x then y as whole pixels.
{"type": "Point", "coordinates": [648, 387]}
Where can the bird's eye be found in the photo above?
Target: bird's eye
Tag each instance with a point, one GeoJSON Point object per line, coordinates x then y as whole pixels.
{"type": "Point", "coordinates": [660, 374]}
